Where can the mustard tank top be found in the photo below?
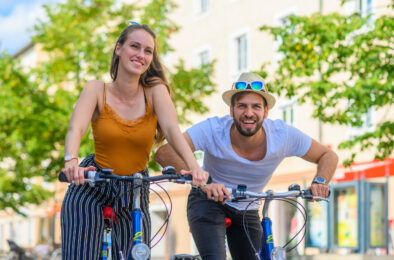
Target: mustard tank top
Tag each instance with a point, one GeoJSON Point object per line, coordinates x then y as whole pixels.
{"type": "Point", "coordinates": [123, 145]}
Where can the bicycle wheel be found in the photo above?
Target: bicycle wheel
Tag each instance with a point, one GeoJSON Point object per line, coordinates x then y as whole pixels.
{"type": "Point", "coordinates": [186, 257]}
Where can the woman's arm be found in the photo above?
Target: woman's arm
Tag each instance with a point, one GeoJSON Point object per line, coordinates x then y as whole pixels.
{"type": "Point", "coordinates": [166, 115]}
{"type": "Point", "coordinates": [79, 123]}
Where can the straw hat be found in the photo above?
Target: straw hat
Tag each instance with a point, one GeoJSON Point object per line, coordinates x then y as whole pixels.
{"type": "Point", "coordinates": [249, 77]}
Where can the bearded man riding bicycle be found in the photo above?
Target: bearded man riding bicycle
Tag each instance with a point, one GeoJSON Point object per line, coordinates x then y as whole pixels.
{"type": "Point", "coordinates": [243, 147]}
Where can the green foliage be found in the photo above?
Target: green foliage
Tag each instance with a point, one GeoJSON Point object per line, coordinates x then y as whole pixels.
{"type": "Point", "coordinates": [343, 66]}
{"type": "Point", "coordinates": [163, 26]}
{"type": "Point", "coordinates": [189, 87]}
{"type": "Point", "coordinates": [77, 41]}
{"type": "Point", "coordinates": [30, 122]}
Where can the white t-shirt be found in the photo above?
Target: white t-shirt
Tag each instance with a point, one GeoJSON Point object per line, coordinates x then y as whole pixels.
{"type": "Point", "coordinates": [212, 136]}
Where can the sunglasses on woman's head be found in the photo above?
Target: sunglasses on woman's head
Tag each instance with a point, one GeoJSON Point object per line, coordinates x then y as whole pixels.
{"type": "Point", "coordinates": [133, 23]}
{"type": "Point", "coordinates": [255, 85]}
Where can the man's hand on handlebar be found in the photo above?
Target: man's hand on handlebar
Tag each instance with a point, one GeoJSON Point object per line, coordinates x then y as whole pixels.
{"type": "Point", "coordinates": [76, 173]}
{"type": "Point", "coordinates": [217, 192]}
{"type": "Point", "coordinates": [320, 190]}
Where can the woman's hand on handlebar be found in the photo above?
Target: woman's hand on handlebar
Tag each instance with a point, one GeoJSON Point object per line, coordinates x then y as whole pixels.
{"type": "Point", "coordinates": [217, 192]}
{"type": "Point", "coordinates": [200, 177]}
{"type": "Point", "coordinates": [76, 173]}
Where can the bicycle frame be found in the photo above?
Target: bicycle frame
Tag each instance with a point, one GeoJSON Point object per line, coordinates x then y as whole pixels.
{"type": "Point", "coordinates": [139, 250]}
{"type": "Point", "coordinates": [268, 251]}
{"type": "Point", "coordinates": [267, 241]}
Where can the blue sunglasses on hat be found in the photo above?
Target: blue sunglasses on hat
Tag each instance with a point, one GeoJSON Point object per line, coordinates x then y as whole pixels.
{"type": "Point", "coordinates": [255, 85]}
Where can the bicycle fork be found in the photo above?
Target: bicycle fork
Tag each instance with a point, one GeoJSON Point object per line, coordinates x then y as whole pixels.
{"type": "Point", "coordinates": [140, 250]}
{"type": "Point", "coordinates": [267, 241]}
{"type": "Point", "coordinates": [268, 251]}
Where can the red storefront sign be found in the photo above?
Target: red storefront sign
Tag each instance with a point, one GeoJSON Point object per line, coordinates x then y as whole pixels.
{"type": "Point", "coordinates": [373, 169]}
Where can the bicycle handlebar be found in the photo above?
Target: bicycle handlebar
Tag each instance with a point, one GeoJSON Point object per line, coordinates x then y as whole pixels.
{"type": "Point", "coordinates": [240, 193]}
{"type": "Point", "coordinates": [105, 175]}
{"type": "Point", "coordinates": [168, 173]}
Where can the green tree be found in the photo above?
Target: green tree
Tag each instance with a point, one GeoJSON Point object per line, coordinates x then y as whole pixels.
{"type": "Point", "coordinates": [343, 66]}
{"type": "Point", "coordinates": [29, 125]}
{"type": "Point", "coordinates": [78, 39]}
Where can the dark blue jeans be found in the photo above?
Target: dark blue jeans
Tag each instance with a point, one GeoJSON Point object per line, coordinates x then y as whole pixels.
{"type": "Point", "coordinates": [206, 220]}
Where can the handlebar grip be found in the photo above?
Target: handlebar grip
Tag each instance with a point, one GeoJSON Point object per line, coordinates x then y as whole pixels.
{"type": "Point", "coordinates": [62, 177]}
{"type": "Point", "coordinates": [171, 170]}
{"type": "Point", "coordinates": [187, 177]}
{"type": "Point", "coordinates": [308, 194]}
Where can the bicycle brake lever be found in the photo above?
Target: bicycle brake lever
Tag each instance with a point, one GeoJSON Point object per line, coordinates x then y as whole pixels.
{"type": "Point", "coordinates": [307, 194]}
{"type": "Point", "coordinates": [237, 195]}
{"type": "Point", "coordinates": [185, 179]}
{"type": "Point", "coordinates": [317, 198]}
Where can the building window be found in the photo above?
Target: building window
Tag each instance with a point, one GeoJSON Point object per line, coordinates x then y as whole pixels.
{"type": "Point", "coordinates": [364, 7]}
{"type": "Point", "coordinates": [368, 7]}
{"type": "Point", "coordinates": [288, 114]}
{"type": "Point", "coordinates": [369, 124]}
{"type": "Point", "coordinates": [241, 43]}
{"type": "Point", "coordinates": [204, 5]}
{"type": "Point", "coordinates": [281, 20]}
{"type": "Point", "coordinates": [286, 110]}
{"type": "Point", "coordinates": [239, 46]}
{"type": "Point", "coordinates": [201, 7]}
{"type": "Point", "coordinates": [202, 56]}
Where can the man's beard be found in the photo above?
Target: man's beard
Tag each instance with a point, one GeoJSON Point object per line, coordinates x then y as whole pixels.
{"type": "Point", "coordinates": [248, 132]}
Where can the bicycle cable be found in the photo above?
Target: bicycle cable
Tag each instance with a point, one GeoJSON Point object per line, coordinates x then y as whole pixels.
{"type": "Point", "coordinates": [244, 223]}
{"type": "Point", "coordinates": [301, 209]}
{"type": "Point", "coordinates": [304, 215]}
{"type": "Point", "coordinates": [169, 212]}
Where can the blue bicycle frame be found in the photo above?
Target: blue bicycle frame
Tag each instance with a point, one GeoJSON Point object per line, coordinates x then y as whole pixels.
{"type": "Point", "coordinates": [267, 241]}
{"type": "Point", "coordinates": [140, 250]}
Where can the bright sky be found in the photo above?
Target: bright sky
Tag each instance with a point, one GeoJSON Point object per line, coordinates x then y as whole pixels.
{"type": "Point", "coordinates": [17, 18]}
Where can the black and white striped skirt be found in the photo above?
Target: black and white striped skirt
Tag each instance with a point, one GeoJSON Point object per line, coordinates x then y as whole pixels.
{"type": "Point", "coordinates": [82, 221]}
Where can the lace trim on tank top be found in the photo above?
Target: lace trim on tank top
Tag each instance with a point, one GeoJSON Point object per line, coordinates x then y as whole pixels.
{"type": "Point", "coordinates": [121, 121]}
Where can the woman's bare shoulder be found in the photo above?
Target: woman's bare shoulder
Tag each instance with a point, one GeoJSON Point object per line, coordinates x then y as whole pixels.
{"type": "Point", "coordinates": [157, 90]}
{"type": "Point", "coordinates": [94, 86]}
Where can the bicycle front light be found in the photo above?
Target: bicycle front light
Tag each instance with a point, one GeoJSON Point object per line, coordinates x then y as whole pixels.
{"type": "Point", "coordinates": [140, 252]}
{"type": "Point", "coordinates": [278, 253]}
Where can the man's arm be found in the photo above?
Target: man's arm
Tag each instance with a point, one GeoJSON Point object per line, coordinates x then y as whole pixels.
{"type": "Point", "coordinates": [166, 155]}
{"type": "Point", "coordinates": [327, 161]}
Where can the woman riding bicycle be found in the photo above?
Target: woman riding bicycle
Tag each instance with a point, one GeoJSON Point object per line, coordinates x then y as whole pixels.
{"type": "Point", "coordinates": [127, 116]}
